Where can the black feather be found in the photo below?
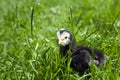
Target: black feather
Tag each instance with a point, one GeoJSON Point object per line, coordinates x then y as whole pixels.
{"type": "Point", "coordinates": [81, 61]}
{"type": "Point", "coordinates": [64, 49]}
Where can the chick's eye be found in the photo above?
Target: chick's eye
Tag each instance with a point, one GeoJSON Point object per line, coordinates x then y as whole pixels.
{"type": "Point", "coordinates": [66, 37]}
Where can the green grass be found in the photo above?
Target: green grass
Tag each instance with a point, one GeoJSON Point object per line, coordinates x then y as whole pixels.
{"type": "Point", "coordinates": [28, 48]}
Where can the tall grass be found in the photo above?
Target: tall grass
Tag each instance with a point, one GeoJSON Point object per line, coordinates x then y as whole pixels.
{"type": "Point", "coordinates": [28, 48]}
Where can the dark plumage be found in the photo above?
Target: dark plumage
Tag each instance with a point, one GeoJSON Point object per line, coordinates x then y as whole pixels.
{"type": "Point", "coordinates": [81, 56]}
{"type": "Point", "coordinates": [81, 61]}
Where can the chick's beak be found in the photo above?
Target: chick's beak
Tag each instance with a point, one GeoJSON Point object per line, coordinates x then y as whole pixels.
{"type": "Point", "coordinates": [60, 41]}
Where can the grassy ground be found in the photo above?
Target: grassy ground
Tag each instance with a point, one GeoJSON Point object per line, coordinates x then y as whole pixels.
{"type": "Point", "coordinates": [28, 49]}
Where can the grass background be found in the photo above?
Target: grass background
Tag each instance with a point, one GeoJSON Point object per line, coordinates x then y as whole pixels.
{"type": "Point", "coordinates": [28, 49]}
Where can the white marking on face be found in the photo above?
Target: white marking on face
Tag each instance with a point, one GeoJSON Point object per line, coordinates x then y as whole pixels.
{"type": "Point", "coordinates": [63, 38]}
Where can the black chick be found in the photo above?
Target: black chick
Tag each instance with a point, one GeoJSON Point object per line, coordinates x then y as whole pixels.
{"type": "Point", "coordinates": [81, 56]}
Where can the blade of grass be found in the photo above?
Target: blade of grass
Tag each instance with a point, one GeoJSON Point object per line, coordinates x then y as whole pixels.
{"type": "Point", "coordinates": [32, 20]}
{"type": "Point", "coordinates": [71, 20]}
